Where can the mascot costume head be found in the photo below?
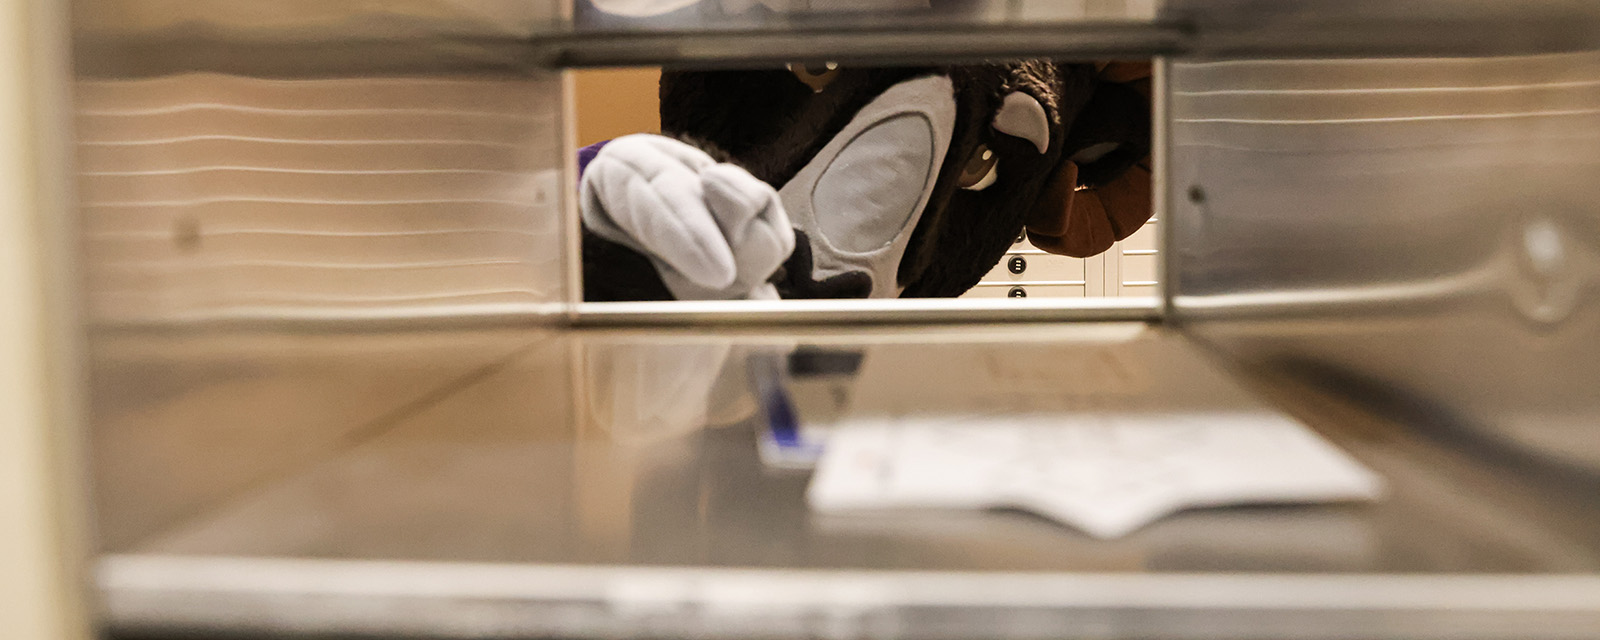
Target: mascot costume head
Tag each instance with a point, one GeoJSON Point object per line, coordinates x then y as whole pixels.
{"type": "Point", "coordinates": [824, 181]}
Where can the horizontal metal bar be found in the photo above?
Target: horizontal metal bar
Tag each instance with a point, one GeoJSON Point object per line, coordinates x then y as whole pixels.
{"type": "Point", "coordinates": [893, 311]}
{"type": "Point", "coordinates": [375, 319]}
{"type": "Point", "coordinates": [1190, 33]}
{"type": "Point", "coordinates": [889, 45]}
{"type": "Point", "coordinates": [669, 313]}
{"type": "Point", "coordinates": [442, 599]}
{"type": "Point", "coordinates": [298, 56]}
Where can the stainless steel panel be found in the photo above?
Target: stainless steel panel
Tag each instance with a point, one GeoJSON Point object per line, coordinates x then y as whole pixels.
{"type": "Point", "coordinates": [360, 161]}
{"type": "Point", "coordinates": [1421, 233]}
{"type": "Point", "coordinates": [607, 483]}
{"type": "Point", "coordinates": [450, 600]}
{"type": "Point", "coordinates": [311, 20]}
{"type": "Point", "coordinates": [352, 161]}
{"type": "Point", "coordinates": [1416, 235]}
{"type": "Point", "coordinates": [735, 32]}
{"type": "Point", "coordinates": [210, 196]}
{"type": "Point", "coordinates": [184, 422]}
{"type": "Point", "coordinates": [897, 311]}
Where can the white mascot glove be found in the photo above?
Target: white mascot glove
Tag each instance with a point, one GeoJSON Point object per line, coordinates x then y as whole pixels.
{"type": "Point", "coordinates": [712, 230]}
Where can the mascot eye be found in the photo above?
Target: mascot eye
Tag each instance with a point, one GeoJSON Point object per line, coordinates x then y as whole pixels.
{"type": "Point", "coordinates": [816, 76]}
{"type": "Point", "coordinates": [981, 170]}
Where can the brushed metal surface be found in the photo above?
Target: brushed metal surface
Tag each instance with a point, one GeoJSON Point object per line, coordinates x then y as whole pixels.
{"type": "Point", "coordinates": [593, 483]}
{"type": "Point", "coordinates": [462, 600]}
{"type": "Point", "coordinates": [208, 196]}
{"type": "Point", "coordinates": [1400, 252]}
{"type": "Point", "coordinates": [183, 422]}
{"type": "Point", "coordinates": [354, 162]}
{"type": "Point", "coordinates": [1423, 234]}
{"type": "Point", "coordinates": [245, 161]}
{"type": "Point", "coordinates": [747, 32]}
{"type": "Point", "coordinates": [891, 311]}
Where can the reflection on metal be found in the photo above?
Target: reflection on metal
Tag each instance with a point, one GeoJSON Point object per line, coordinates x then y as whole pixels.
{"type": "Point", "coordinates": [264, 111]}
{"type": "Point", "coordinates": [308, 38]}
{"type": "Point", "coordinates": [1417, 234]}
{"type": "Point", "coordinates": [1427, 226]}
{"type": "Point", "coordinates": [891, 311]}
{"type": "Point", "coordinates": [1496, 280]}
{"type": "Point", "coordinates": [404, 598]}
{"type": "Point", "coordinates": [642, 393]}
{"type": "Point", "coordinates": [215, 197]}
{"type": "Point", "coordinates": [539, 482]}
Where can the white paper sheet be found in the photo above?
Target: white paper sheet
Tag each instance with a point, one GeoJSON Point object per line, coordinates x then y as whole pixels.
{"type": "Point", "coordinates": [1105, 474]}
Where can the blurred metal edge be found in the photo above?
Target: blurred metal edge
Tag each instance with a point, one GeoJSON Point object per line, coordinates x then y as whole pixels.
{"type": "Point", "coordinates": [568, 207]}
{"type": "Point", "coordinates": [1111, 39]}
{"type": "Point", "coordinates": [410, 51]}
{"type": "Point", "coordinates": [157, 54]}
{"type": "Point", "coordinates": [660, 314]}
{"type": "Point", "coordinates": [890, 311]}
{"type": "Point", "coordinates": [311, 596]}
{"type": "Point", "coordinates": [99, 56]}
{"type": "Point", "coordinates": [374, 319]}
{"type": "Point", "coordinates": [1161, 202]}
{"type": "Point", "coordinates": [879, 46]}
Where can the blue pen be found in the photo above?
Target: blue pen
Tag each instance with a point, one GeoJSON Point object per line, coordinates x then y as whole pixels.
{"type": "Point", "coordinates": [782, 444]}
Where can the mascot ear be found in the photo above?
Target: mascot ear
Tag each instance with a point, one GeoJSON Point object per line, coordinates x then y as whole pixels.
{"type": "Point", "coordinates": [1101, 192]}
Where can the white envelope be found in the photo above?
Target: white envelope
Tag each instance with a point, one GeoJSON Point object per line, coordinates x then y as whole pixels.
{"type": "Point", "coordinates": [1107, 474]}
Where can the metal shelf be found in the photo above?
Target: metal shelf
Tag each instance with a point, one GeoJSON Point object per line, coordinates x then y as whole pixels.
{"type": "Point", "coordinates": [531, 484]}
{"type": "Point", "coordinates": [459, 36]}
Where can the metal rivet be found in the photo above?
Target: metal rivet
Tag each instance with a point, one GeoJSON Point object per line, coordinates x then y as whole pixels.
{"type": "Point", "coordinates": [1547, 252]}
{"type": "Point", "coordinates": [186, 233]}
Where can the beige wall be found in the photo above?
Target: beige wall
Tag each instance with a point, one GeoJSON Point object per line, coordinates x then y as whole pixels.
{"type": "Point", "coordinates": [616, 102]}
